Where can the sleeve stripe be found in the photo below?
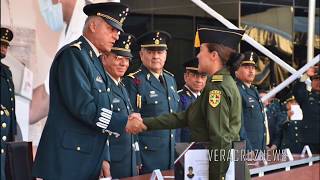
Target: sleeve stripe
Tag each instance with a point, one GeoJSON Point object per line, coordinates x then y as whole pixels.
{"type": "Point", "coordinates": [106, 111]}
{"type": "Point", "coordinates": [105, 115]}
{"type": "Point", "coordinates": [104, 120]}
{"type": "Point", "coordinates": [102, 125]}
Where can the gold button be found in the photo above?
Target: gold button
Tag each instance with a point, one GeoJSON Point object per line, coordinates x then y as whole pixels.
{"type": "Point", "coordinates": [4, 138]}
{"type": "Point", "coordinates": [171, 135]}
{"type": "Point", "coordinates": [108, 89]}
{"type": "Point", "coordinates": [296, 128]}
{"type": "Point", "coordinates": [156, 102]}
{"type": "Point", "coordinates": [11, 99]}
{"type": "Point", "coordinates": [78, 148]}
{"type": "Point", "coordinates": [99, 90]}
{"type": "Point", "coordinates": [2, 113]}
{"type": "Point", "coordinates": [12, 109]}
{"type": "Point", "coordinates": [146, 147]}
{"type": "Point", "coordinates": [169, 98]}
{"type": "Point", "coordinates": [2, 151]}
{"type": "Point", "coordinates": [296, 134]}
{"type": "Point", "coordinates": [171, 110]}
{"type": "Point", "coordinates": [4, 125]}
{"type": "Point", "coordinates": [10, 89]}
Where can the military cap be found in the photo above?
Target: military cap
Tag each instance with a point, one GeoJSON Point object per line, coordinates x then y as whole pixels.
{"type": "Point", "coordinates": [6, 36]}
{"type": "Point", "coordinates": [122, 47]}
{"type": "Point", "coordinates": [227, 37]}
{"type": "Point", "coordinates": [192, 64]}
{"type": "Point", "coordinates": [112, 12]}
{"type": "Point", "coordinates": [154, 40]}
{"type": "Point", "coordinates": [250, 58]}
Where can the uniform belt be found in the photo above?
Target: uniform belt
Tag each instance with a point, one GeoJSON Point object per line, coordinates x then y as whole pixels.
{"type": "Point", "coordinates": [4, 110]}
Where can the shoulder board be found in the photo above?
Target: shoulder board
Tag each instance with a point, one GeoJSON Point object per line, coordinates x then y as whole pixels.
{"type": "Point", "coordinates": [134, 73]}
{"type": "Point", "coordinates": [168, 73]}
{"type": "Point", "coordinates": [77, 45]}
{"type": "Point", "coordinates": [217, 78]}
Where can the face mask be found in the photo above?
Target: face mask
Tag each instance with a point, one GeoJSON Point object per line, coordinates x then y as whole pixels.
{"type": "Point", "coordinates": [52, 14]}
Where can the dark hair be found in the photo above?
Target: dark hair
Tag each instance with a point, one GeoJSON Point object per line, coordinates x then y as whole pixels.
{"type": "Point", "coordinates": [224, 52]}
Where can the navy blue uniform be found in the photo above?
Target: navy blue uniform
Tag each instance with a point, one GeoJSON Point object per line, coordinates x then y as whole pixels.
{"type": "Point", "coordinates": [8, 116]}
{"type": "Point", "coordinates": [310, 105]}
{"type": "Point", "coordinates": [277, 116]}
{"type": "Point", "coordinates": [74, 140]}
{"type": "Point", "coordinates": [156, 147]}
{"type": "Point", "coordinates": [123, 149]}
{"type": "Point", "coordinates": [186, 98]}
{"type": "Point", "coordinates": [252, 123]}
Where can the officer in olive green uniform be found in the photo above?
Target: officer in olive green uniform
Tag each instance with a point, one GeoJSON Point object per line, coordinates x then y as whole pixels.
{"type": "Point", "coordinates": [216, 115]}
{"type": "Point", "coordinates": [153, 94]}
{"type": "Point", "coordinates": [125, 148]}
{"type": "Point", "coordinates": [8, 115]}
{"type": "Point", "coordinates": [73, 144]}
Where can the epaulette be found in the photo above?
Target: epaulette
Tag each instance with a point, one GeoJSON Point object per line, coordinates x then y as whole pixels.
{"type": "Point", "coordinates": [134, 73]}
{"type": "Point", "coordinates": [169, 73]}
{"type": "Point", "coordinates": [77, 45]}
{"type": "Point", "coordinates": [217, 78]}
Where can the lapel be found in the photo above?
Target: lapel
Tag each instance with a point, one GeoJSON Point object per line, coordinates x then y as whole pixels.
{"type": "Point", "coordinates": [154, 82]}
{"type": "Point", "coordinates": [189, 93]}
{"type": "Point", "coordinates": [94, 59]}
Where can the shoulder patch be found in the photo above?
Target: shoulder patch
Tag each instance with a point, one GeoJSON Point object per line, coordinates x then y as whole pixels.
{"type": "Point", "coordinates": [214, 98]}
{"type": "Point", "coordinates": [77, 45]}
{"type": "Point", "coordinates": [168, 72]}
{"type": "Point", "coordinates": [217, 78]}
{"type": "Point", "coordinates": [133, 74]}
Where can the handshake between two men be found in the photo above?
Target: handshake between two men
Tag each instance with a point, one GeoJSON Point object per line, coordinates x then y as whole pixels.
{"type": "Point", "coordinates": [135, 124]}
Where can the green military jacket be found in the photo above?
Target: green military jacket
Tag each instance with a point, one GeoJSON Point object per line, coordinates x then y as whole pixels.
{"type": "Point", "coordinates": [214, 117]}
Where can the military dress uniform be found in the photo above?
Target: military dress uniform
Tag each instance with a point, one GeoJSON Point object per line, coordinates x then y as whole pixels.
{"type": "Point", "coordinates": [153, 99]}
{"type": "Point", "coordinates": [7, 105]}
{"type": "Point", "coordinates": [186, 98]}
{"type": "Point", "coordinates": [310, 125]}
{"type": "Point", "coordinates": [153, 96]}
{"type": "Point", "coordinates": [73, 143]}
{"type": "Point", "coordinates": [215, 115]}
{"type": "Point", "coordinates": [253, 127]}
{"type": "Point", "coordinates": [123, 149]}
{"type": "Point", "coordinates": [277, 116]}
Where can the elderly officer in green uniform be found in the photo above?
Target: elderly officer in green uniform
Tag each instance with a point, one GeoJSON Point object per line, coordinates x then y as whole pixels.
{"type": "Point", "coordinates": [123, 149]}
{"type": "Point", "coordinates": [253, 127]}
{"type": "Point", "coordinates": [216, 115]}
{"type": "Point", "coordinates": [7, 107]}
{"type": "Point", "coordinates": [74, 144]}
{"type": "Point", "coordinates": [153, 91]}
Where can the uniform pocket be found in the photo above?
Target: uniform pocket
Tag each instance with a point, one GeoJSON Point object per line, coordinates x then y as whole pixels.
{"type": "Point", "coordinates": [150, 143]}
{"type": "Point", "coordinates": [78, 142]}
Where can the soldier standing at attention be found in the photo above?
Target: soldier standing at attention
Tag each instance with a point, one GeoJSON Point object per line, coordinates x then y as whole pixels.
{"type": "Point", "coordinates": [73, 144]}
{"type": "Point", "coordinates": [253, 116]}
{"type": "Point", "coordinates": [123, 149]}
{"type": "Point", "coordinates": [153, 92]}
{"type": "Point", "coordinates": [194, 84]}
{"type": "Point", "coordinates": [7, 106]}
{"type": "Point", "coordinates": [215, 115]}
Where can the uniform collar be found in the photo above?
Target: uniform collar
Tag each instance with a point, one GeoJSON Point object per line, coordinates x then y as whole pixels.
{"type": "Point", "coordinates": [193, 93]}
{"type": "Point", "coordinates": [113, 79]}
{"type": "Point", "coordinates": [95, 50]}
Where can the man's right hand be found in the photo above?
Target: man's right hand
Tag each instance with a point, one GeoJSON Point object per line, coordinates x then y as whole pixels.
{"type": "Point", "coordinates": [135, 124]}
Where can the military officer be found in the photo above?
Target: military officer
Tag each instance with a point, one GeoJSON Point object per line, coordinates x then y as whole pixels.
{"type": "Point", "coordinates": [123, 149]}
{"type": "Point", "coordinates": [310, 105]}
{"type": "Point", "coordinates": [194, 83]}
{"type": "Point", "coordinates": [73, 144]}
{"type": "Point", "coordinates": [253, 116]}
{"type": "Point", "coordinates": [291, 129]}
{"type": "Point", "coordinates": [153, 92]}
{"type": "Point", "coordinates": [277, 116]}
{"type": "Point", "coordinates": [214, 116]}
{"type": "Point", "coordinates": [7, 106]}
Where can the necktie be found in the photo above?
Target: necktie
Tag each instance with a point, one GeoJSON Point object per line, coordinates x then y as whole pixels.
{"type": "Point", "coordinates": [161, 79]}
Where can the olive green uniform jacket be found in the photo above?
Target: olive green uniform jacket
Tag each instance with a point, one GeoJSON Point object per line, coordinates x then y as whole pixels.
{"type": "Point", "coordinates": [214, 117]}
